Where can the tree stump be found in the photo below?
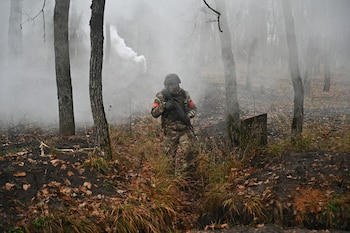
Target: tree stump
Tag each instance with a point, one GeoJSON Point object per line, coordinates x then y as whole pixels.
{"type": "Point", "coordinates": [254, 131]}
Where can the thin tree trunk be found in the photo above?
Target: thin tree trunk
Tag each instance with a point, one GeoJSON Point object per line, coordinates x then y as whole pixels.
{"type": "Point", "coordinates": [232, 118]}
{"type": "Point", "coordinates": [308, 69]}
{"type": "Point", "coordinates": [62, 65]}
{"type": "Point", "coordinates": [250, 65]}
{"type": "Point", "coordinates": [327, 72]}
{"type": "Point", "coordinates": [15, 47]}
{"type": "Point", "coordinates": [298, 115]}
{"type": "Point", "coordinates": [95, 81]}
{"type": "Point", "coordinates": [327, 76]}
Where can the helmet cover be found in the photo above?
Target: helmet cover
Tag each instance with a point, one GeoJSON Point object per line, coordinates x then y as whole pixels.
{"type": "Point", "coordinates": [172, 79]}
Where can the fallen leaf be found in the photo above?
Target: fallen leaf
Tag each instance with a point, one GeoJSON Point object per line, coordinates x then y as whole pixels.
{"type": "Point", "coordinates": [21, 164]}
{"type": "Point", "coordinates": [9, 186]}
{"type": "Point", "coordinates": [55, 162]}
{"type": "Point", "coordinates": [70, 173]}
{"type": "Point", "coordinates": [26, 187]}
{"type": "Point", "coordinates": [87, 185]}
{"type": "Point", "coordinates": [20, 174]}
{"type": "Point", "coordinates": [67, 182]}
{"type": "Point", "coordinates": [65, 190]}
{"type": "Point", "coordinates": [63, 167]}
{"type": "Point", "coordinates": [32, 161]}
{"type": "Point", "coordinates": [88, 192]}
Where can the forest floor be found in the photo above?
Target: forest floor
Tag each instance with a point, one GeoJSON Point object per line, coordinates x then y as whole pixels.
{"type": "Point", "coordinates": [305, 189]}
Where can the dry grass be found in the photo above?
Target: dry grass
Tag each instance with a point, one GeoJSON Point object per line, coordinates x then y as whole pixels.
{"type": "Point", "coordinates": [216, 174]}
{"type": "Point", "coordinates": [61, 223]}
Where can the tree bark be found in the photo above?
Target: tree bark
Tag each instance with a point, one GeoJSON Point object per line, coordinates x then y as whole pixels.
{"type": "Point", "coordinates": [298, 114]}
{"type": "Point", "coordinates": [62, 65]}
{"type": "Point", "coordinates": [95, 81]}
{"type": "Point", "coordinates": [232, 105]}
{"type": "Point", "coordinates": [15, 47]}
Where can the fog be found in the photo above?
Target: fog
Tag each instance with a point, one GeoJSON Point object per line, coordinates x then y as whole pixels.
{"type": "Point", "coordinates": [149, 39]}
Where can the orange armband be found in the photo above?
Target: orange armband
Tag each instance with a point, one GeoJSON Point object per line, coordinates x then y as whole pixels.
{"type": "Point", "coordinates": [190, 104]}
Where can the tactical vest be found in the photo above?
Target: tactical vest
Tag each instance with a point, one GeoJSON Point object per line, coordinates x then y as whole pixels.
{"type": "Point", "coordinates": [174, 114]}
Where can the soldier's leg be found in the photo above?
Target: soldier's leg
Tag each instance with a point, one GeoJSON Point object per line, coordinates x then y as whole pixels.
{"type": "Point", "coordinates": [171, 142]}
{"type": "Point", "coordinates": [187, 146]}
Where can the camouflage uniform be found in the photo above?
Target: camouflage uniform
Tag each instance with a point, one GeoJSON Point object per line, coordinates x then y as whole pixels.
{"type": "Point", "coordinates": [177, 135]}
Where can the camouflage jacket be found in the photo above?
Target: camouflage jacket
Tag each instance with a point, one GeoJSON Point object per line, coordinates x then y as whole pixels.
{"type": "Point", "coordinates": [172, 118]}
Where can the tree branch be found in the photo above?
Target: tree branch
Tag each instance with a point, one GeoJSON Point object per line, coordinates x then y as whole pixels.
{"type": "Point", "coordinates": [35, 16]}
{"type": "Point", "coordinates": [216, 12]}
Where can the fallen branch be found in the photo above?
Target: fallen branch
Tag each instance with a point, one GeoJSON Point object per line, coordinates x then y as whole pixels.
{"type": "Point", "coordinates": [44, 145]}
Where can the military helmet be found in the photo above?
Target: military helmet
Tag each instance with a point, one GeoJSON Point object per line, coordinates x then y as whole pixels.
{"type": "Point", "coordinates": [172, 79]}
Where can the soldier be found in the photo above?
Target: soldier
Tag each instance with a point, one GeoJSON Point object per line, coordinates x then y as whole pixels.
{"type": "Point", "coordinates": [176, 108]}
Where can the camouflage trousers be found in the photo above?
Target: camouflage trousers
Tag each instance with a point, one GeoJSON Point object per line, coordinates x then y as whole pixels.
{"type": "Point", "coordinates": [180, 145]}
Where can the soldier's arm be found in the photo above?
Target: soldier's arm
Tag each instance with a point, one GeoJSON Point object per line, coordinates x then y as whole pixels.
{"type": "Point", "coordinates": [191, 106]}
{"type": "Point", "coordinates": [158, 105]}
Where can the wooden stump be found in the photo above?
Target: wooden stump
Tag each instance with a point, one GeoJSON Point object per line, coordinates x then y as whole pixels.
{"type": "Point", "coordinates": [254, 131]}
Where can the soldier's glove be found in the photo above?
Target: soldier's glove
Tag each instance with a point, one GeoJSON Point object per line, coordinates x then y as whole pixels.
{"type": "Point", "coordinates": [169, 105]}
{"type": "Point", "coordinates": [191, 114]}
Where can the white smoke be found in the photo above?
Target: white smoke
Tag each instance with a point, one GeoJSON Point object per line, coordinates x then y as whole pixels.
{"type": "Point", "coordinates": [125, 52]}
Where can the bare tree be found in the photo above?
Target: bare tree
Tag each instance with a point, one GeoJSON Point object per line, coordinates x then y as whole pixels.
{"type": "Point", "coordinates": [297, 123]}
{"type": "Point", "coordinates": [62, 64]}
{"type": "Point", "coordinates": [232, 105]}
{"type": "Point", "coordinates": [95, 81]}
{"type": "Point", "coordinates": [15, 47]}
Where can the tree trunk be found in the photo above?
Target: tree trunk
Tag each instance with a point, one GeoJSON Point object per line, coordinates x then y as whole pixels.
{"type": "Point", "coordinates": [307, 81]}
{"type": "Point", "coordinates": [308, 69]}
{"type": "Point", "coordinates": [327, 72]}
{"type": "Point", "coordinates": [297, 123]}
{"type": "Point", "coordinates": [62, 64]}
{"type": "Point", "coordinates": [327, 76]}
{"type": "Point", "coordinates": [232, 118]}
{"type": "Point", "coordinates": [15, 47]}
{"type": "Point", "coordinates": [95, 82]}
{"type": "Point", "coordinates": [250, 64]}
{"type": "Point", "coordinates": [108, 43]}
